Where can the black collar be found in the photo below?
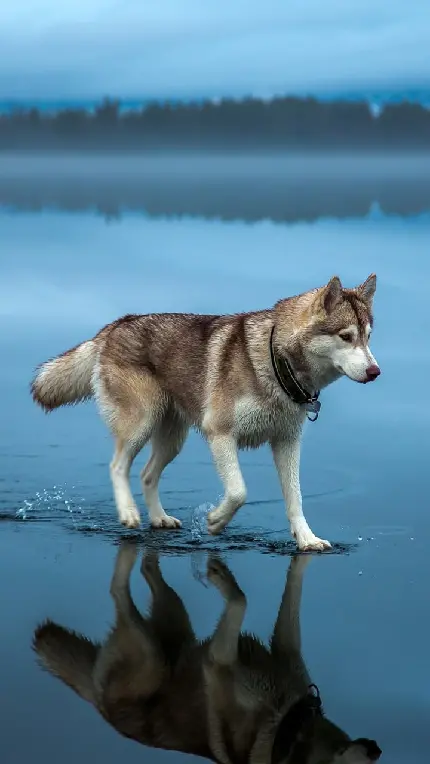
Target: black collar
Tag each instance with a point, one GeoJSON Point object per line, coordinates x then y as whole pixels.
{"type": "Point", "coordinates": [290, 384]}
{"type": "Point", "coordinates": [293, 722]}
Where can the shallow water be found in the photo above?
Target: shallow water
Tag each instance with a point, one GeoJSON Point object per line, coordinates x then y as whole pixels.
{"type": "Point", "coordinates": [86, 240]}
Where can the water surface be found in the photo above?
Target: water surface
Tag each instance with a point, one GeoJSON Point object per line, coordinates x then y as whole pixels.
{"type": "Point", "coordinates": [85, 240]}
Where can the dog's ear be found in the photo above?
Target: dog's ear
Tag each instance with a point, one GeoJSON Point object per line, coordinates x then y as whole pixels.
{"type": "Point", "coordinates": [367, 289]}
{"type": "Point", "coordinates": [330, 295]}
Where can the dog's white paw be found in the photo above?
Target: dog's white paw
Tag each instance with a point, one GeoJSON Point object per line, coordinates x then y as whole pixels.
{"type": "Point", "coordinates": [307, 541]}
{"type": "Point", "coordinates": [130, 517]}
{"type": "Point", "coordinates": [165, 521]}
{"type": "Point", "coordinates": [217, 520]}
{"type": "Point", "coordinates": [316, 545]}
{"type": "Point", "coordinates": [220, 576]}
{"type": "Point", "coordinates": [150, 566]}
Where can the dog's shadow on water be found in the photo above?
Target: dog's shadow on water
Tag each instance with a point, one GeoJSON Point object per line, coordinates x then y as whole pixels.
{"type": "Point", "coordinates": [228, 698]}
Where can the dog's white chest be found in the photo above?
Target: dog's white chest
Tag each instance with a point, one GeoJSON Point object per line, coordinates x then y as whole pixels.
{"type": "Point", "coordinates": [256, 423]}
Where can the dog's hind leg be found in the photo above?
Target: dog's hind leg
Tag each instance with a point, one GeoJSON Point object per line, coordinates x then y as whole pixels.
{"type": "Point", "coordinates": [132, 404]}
{"type": "Point", "coordinates": [120, 466]}
{"type": "Point", "coordinates": [167, 440]}
{"type": "Point", "coordinates": [131, 662]}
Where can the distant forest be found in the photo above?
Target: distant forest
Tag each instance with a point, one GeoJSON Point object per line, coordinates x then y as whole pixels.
{"type": "Point", "coordinates": [250, 124]}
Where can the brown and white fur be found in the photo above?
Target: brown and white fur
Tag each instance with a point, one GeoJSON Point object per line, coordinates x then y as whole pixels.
{"type": "Point", "coordinates": [155, 376]}
{"type": "Point", "coordinates": [224, 698]}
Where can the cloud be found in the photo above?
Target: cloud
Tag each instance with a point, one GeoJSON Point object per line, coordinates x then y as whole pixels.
{"type": "Point", "coordinates": [177, 48]}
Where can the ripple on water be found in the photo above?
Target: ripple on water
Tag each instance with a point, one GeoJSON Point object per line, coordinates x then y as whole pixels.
{"type": "Point", "coordinates": [64, 506]}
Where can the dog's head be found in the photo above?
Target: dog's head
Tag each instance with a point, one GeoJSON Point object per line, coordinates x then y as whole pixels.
{"type": "Point", "coordinates": [333, 330]}
{"type": "Point", "coordinates": [325, 743]}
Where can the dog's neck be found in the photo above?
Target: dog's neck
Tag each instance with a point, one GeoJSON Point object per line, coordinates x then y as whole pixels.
{"type": "Point", "coordinates": [312, 374]}
{"type": "Point", "coordinates": [289, 737]}
{"type": "Point", "coordinates": [311, 371]}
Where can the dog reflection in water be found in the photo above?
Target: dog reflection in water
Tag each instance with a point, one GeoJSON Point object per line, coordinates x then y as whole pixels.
{"type": "Point", "coordinates": [228, 698]}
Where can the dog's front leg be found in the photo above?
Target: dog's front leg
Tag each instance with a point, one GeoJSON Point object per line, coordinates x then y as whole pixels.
{"type": "Point", "coordinates": [225, 693]}
{"type": "Point", "coordinates": [286, 454]}
{"type": "Point", "coordinates": [224, 452]}
{"type": "Point", "coordinates": [286, 643]}
{"type": "Point", "coordinates": [224, 644]}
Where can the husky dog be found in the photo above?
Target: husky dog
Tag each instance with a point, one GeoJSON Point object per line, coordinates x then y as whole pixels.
{"type": "Point", "coordinates": [242, 380]}
{"type": "Point", "coordinates": [229, 698]}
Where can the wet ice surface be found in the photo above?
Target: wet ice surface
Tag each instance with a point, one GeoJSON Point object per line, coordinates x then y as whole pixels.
{"type": "Point", "coordinates": [69, 511]}
{"type": "Point", "coordinates": [364, 615]}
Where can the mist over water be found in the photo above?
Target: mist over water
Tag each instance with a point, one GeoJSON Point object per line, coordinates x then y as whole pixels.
{"type": "Point", "coordinates": [85, 239]}
{"type": "Point", "coordinates": [278, 187]}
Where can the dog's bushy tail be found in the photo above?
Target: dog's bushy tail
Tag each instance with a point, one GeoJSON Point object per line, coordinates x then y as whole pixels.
{"type": "Point", "coordinates": [68, 656]}
{"type": "Point", "coordinates": [65, 379]}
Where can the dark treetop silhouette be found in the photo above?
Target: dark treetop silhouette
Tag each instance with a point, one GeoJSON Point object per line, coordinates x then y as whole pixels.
{"type": "Point", "coordinates": [282, 123]}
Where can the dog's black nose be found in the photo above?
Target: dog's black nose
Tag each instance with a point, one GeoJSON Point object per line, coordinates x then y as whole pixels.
{"type": "Point", "coordinates": [372, 749]}
{"type": "Point", "coordinates": [373, 372]}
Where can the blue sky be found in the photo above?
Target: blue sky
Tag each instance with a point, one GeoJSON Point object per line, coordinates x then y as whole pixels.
{"type": "Point", "coordinates": [191, 48]}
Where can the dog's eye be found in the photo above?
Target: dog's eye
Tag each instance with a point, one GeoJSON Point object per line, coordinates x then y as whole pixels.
{"type": "Point", "coordinates": [347, 337]}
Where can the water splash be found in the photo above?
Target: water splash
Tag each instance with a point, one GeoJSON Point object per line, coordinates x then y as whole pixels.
{"type": "Point", "coordinates": [21, 513]}
{"type": "Point", "coordinates": [199, 521]}
{"type": "Point", "coordinates": [52, 502]}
